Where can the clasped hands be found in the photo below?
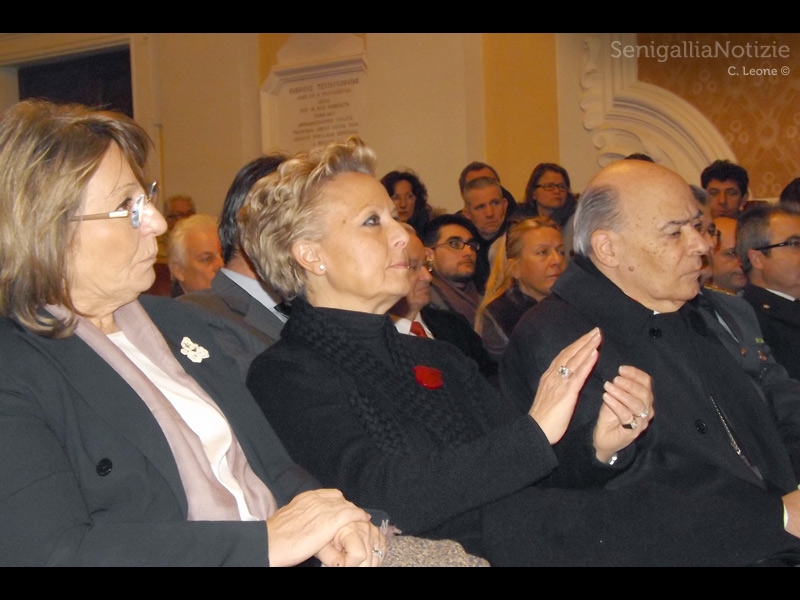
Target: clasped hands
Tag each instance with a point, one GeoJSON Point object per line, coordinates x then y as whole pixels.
{"type": "Point", "coordinates": [324, 524]}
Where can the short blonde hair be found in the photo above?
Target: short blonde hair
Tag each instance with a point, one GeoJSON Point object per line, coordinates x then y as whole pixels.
{"type": "Point", "coordinates": [48, 154]}
{"type": "Point", "coordinates": [284, 207]}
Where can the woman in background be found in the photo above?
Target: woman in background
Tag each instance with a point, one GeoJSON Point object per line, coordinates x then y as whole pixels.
{"type": "Point", "coordinates": [410, 197]}
{"type": "Point", "coordinates": [523, 272]}
{"type": "Point", "coordinates": [400, 421]}
{"type": "Point", "coordinates": [548, 194]}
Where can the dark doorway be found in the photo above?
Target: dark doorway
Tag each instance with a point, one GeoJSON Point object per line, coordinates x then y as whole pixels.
{"type": "Point", "coordinates": [100, 80]}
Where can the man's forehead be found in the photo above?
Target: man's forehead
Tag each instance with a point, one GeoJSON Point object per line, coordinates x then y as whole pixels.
{"type": "Point", "coordinates": [485, 194]}
{"type": "Point", "coordinates": [415, 249]}
{"type": "Point", "coordinates": [723, 185]}
{"type": "Point", "coordinates": [449, 231]}
{"type": "Point", "coordinates": [785, 224]}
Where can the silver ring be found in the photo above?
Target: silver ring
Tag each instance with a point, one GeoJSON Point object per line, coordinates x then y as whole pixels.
{"type": "Point", "coordinates": [377, 552]}
{"type": "Point", "coordinates": [632, 425]}
{"type": "Point", "coordinates": [644, 414]}
{"type": "Point", "coordinates": [564, 372]}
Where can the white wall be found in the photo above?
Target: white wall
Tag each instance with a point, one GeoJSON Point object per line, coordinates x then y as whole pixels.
{"type": "Point", "coordinates": [208, 112]}
{"type": "Point", "coordinates": [426, 108]}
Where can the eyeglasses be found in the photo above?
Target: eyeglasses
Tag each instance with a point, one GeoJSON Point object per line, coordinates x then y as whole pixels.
{"type": "Point", "coordinates": [793, 242]}
{"type": "Point", "coordinates": [416, 266]}
{"type": "Point", "coordinates": [458, 244]}
{"type": "Point", "coordinates": [551, 186]}
{"type": "Point", "coordinates": [137, 206]}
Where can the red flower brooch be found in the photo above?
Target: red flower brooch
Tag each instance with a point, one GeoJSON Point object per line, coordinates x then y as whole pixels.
{"type": "Point", "coordinates": [428, 377]}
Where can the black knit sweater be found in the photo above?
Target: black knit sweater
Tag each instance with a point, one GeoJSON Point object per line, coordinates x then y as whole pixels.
{"type": "Point", "coordinates": [341, 392]}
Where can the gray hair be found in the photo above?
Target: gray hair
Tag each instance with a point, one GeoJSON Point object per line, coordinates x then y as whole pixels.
{"type": "Point", "coordinates": [599, 208]}
{"type": "Point", "coordinates": [177, 237]}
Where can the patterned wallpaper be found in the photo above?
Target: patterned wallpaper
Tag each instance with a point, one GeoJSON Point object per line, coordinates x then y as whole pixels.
{"type": "Point", "coordinates": [752, 96]}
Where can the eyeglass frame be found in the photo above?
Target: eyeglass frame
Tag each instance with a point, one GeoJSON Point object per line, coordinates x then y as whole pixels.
{"type": "Point", "coordinates": [794, 242]}
{"type": "Point", "coordinates": [456, 243]}
{"type": "Point", "coordinates": [135, 212]}
{"type": "Point", "coordinates": [562, 187]}
{"type": "Point", "coordinates": [427, 264]}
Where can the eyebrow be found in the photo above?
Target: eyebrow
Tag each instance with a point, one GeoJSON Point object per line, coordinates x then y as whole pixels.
{"type": "Point", "coordinates": [680, 222]}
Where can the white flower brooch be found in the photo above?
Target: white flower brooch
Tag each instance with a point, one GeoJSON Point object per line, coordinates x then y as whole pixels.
{"type": "Point", "coordinates": [195, 352]}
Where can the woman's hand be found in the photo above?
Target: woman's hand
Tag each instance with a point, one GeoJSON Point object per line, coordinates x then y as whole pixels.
{"type": "Point", "coordinates": [626, 411]}
{"type": "Point", "coordinates": [561, 384]}
{"type": "Point", "coordinates": [355, 545]}
{"type": "Point", "coordinates": [322, 523]}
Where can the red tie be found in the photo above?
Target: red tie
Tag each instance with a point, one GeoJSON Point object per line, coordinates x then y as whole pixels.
{"type": "Point", "coordinates": [417, 329]}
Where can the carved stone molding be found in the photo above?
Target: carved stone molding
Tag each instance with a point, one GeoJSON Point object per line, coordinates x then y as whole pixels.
{"type": "Point", "coordinates": [626, 115]}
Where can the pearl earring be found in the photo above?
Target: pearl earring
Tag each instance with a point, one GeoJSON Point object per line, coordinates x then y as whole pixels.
{"type": "Point", "coordinates": [322, 267]}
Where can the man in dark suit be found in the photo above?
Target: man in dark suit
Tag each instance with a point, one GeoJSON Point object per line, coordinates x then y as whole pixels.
{"type": "Point", "coordinates": [242, 310]}
{"type": "Point", "coordinates": [415, 315]}
{"type": "Point", "coordinates": [710, 481]}
{"type": "Point", "coordinates": [768, 242]}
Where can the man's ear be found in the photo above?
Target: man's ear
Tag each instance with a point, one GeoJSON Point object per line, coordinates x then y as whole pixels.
{"type": "Point", "coordinates": [429, 254]}
{"type": "Point", "coordinates": [605, 247]}
{"type": "Point", "coordinates": [306, 255]}
{"type": "Point", "coordinates": [466, 212]}
{"type": "Point", "coordinates": [177, 271]}
{"type": "Point", "coordinates": [756, 259]}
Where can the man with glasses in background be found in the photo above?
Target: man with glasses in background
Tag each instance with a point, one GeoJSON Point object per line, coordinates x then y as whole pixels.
{"type": "Point", "coordinates": [768, 243]}
{"type": "Point", "coordinates": [452, 244]}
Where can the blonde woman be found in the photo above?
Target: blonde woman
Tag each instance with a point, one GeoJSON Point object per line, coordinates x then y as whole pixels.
{"type": "Point", "coordinates": [523, 272]}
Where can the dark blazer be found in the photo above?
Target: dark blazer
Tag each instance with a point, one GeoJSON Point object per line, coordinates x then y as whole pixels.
{"type": "Point", "coordinates": [780, 321]}
{"type": "Point", "coordinates": [86, 474]}
{"type": "Point", "coordinates": [243, 326]}
{"type": "Point", "coordinates": [449, 326]}
{"type": "Point", "coordinates": [687, 497]}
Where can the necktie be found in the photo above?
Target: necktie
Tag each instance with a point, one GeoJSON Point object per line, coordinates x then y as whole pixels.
{"type": "Point", "coordinates": [417, 329]}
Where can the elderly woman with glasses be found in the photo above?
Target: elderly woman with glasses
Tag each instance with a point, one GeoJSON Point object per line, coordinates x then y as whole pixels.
{"type": "Point", "coordinates": [127, 437]}
{"type": "Point", "coordinates": [524, 270]}
{"type": "Point", "coordinates": [403, 422]}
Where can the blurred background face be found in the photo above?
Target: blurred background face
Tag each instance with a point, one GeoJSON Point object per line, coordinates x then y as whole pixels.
{"type": "Point", "coordinates": [486, 208]}
{"type": "Point", "coordinates": [709, 232]}
{"type": "Point", "coordinates": [540, 263]}
{"type": "Point", "coordinates": [404, 200]}
{"type": "Point", "coordinates": [179, 208]}
{"type": "Point", "coordinates": [419, 276]}
{"type": "Point", "coordinates": [449, 263]}
{"type": "Point", "coordinates": [549, 200]}
{"type": "Point", "coordinates": [725, 197]}
{"type": "Point", "coordinates": [781, 269]}
{"type": "Point", "coordinates": [727, 268]}
{"type": "Point", "coordinates": [203, 259]}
